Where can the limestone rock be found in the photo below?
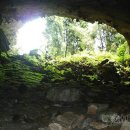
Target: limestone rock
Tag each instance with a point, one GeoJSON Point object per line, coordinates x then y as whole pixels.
{"type": "Point", "coordinates": [63, 94]}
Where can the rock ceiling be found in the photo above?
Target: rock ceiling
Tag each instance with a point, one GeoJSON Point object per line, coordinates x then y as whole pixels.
{"type": "Point", "coordinates": [112, 12]}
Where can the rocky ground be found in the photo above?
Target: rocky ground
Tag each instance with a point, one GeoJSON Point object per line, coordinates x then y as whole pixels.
{"type": "Point", "coordinates": [28, 101]}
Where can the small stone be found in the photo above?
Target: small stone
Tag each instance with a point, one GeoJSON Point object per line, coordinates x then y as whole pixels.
{"type": "Point", "coordinates": [92, 109]}
{"type": "Point", "coordinates": [55, 126]}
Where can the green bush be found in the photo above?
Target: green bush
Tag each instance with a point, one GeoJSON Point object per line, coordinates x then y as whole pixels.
{"type": "Point", "coordinates": [123, 53]}
{"type": "Point", "coordinates": [121, 50]}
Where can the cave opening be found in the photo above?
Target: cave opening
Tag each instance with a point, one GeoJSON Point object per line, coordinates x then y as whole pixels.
{"type": "Point", "coordinates": [69, 85]}
{"type": "Point", "coordinates": [62, 38]}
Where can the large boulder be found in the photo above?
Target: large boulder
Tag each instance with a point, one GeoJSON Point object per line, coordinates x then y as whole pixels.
{"type": "Point", "coordinates": [63, 94]}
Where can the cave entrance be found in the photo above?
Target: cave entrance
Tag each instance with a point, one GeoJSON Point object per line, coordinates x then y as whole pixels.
{"type": "Point", "coordinates": [56, 36]}
{"type": "Point", "coordinates": [62, 36]}
{"type": "Point", "coordinates": [36, 91]}
{"type": "Point", "coordinates": [69, 76]}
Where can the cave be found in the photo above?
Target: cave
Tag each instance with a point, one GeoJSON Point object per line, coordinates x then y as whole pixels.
{"type": "Point", "coordinates": [45, 106]}
{"type": "Point", "coordinates": [114, 13]}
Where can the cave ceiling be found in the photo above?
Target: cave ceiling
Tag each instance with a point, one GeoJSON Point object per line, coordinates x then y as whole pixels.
{"type": "Point", "coordinates": [115, 13]}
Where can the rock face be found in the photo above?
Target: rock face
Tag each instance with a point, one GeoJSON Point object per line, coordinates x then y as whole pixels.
{"type": "Point", "coordinates": [63, 94]}
{"type": "Point", "coordinates": [112, 12]}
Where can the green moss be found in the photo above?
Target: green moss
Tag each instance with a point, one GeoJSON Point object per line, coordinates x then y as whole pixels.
{"type": "Point", "coordinates": [79, 67]}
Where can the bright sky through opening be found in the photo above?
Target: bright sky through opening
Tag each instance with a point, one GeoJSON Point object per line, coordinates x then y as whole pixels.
{"type": "Point", "coordinates": [30, 36]}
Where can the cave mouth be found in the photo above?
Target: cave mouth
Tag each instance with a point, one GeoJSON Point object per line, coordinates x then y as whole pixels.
{"type": "Point", "coordinates": [44, 34]}
{"type": "Point", "coordinates": [41, 89]}
{"type": "Point", "coordinates": [58, 94]}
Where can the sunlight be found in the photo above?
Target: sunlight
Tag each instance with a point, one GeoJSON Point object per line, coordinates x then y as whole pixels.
{"type": "Point", "coordinates": [30, 36]}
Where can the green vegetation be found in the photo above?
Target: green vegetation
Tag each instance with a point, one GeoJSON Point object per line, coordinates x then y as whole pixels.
{"type": "Point", "coordinates": [83, 67]}
{"type": "Point", "coordinates": [75, 51]}
{"type": "Point", "coordinates": [81, 64]}
{"type": "Point", "coordinates": [19, 70]}
{"type": "Point", "coordinates": [67, 37]}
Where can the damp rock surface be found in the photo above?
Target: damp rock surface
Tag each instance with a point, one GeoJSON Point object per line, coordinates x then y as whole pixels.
{"type": "Point", "coordinates": [63, 94]}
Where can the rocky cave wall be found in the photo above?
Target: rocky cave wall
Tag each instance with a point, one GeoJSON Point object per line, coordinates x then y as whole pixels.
{"type": "Point", "coordinates": [115, 13]}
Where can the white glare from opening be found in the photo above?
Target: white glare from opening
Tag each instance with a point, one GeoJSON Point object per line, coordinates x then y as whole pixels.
{"type": "Point", "coordinates": [30, 36]}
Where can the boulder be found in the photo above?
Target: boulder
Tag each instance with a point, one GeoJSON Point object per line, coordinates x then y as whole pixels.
{"type": "Point", "coordinates": [70, 120]}
{"type": "Point", "coordinates": [63, 94]}
{"type": "Point", "coordinates": [94, 109]}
